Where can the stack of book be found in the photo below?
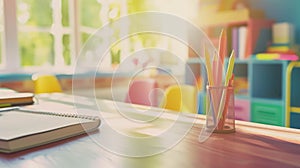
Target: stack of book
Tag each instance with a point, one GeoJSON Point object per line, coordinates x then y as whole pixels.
{"type": "Point", "coordinates": [10, 97]}
{"type": "Point", "coordinates": [283, 46]}
{"type": "Point", "coordinates": [279, 52]}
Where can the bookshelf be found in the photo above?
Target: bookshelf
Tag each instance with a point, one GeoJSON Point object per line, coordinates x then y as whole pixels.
{"type": "Point", "coordinates": [259, 85]}
{"type": "Point", "coordinates": [269, 93]}
{"type": "Point", "coordinates": [245, 37]}
{"type": "Point", "coordinates": [292, 95]}
{"type": "Point", "coordinates": [242, 89]}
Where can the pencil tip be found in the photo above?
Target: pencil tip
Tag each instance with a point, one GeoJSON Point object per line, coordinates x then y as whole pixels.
{"type": "Point", "coordinates": [232, 53]}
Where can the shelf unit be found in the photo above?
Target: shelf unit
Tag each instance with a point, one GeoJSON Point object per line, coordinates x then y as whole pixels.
{"type": "Point", "coordinates": [268, 92]}
{"type": "Point", "coordinates": [242, 89]}
{"type": "Point", "coordinates": [264, 98]}
{"type": "Point", "coordinates": [292, 95]}
{"type": "Point", "coordinates": [260, 88]}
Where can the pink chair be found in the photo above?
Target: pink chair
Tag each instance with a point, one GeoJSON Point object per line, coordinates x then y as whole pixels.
{"type": "Point", "coordinates": [143, 92]}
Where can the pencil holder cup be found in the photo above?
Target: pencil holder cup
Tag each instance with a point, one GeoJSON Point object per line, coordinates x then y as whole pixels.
{"type": "Point", "coordinates": [220, 116]}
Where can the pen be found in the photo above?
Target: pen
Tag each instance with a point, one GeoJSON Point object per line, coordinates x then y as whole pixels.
{"type": "Point", "coordinates": [222, 46]}
{"type": "Point", "coordinates": [220, 61]}
{"type": "Point", "coordinates": [227, 79]}
{"type": "Point", "coordinates": [227, 99]}
{"type": "Point", "coordinates": [217, 71]}
{"type": "Point", "coordinates": [208, 68]}
{"type": "Point", "coordinates": [210, 78]}
{"type": "Point", "coordinates": [229, 68]}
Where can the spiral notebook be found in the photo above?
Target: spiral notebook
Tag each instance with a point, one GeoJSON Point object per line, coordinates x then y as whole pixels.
{"type": "Point", "coordinates": [23, 129]}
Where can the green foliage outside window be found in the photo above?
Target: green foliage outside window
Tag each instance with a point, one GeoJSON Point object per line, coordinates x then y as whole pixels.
{"type": "Point", "coordinates": [35, 12]}
{"type": "Point", "coordinates": [146, 39]}
{"type": "Point", "coordinates": [65, 13]}
{"type": "Point", "coordinates": [66, 49]}
{"type": "Point", "coordinates": [1, 48]}
{"type": "Point", "coordinates": [1, 27]}
{"type": "Point", "coordinates": [37, 48]}
{"type": "Point", "coordinates": [89, 13]}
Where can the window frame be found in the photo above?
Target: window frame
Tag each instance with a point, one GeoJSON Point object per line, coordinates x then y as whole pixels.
{"type": "Point", "coordinates": [11, 58]}
{"type": "Point", "coordinates": [10, 55]}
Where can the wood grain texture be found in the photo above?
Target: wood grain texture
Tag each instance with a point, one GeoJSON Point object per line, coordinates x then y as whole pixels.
{"type": "Point", "coordinates": [253, 145]}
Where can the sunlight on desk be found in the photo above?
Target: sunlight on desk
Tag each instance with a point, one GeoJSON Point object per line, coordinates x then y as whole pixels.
{"type": "Point", "coordinates": [164, 142]}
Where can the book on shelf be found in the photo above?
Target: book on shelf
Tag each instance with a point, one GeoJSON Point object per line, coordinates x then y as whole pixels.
{"type": "Point", "coordinates": [276, 56]}
{"type": "Point", "coordinates": [21, 129]}
{"type": "Point", "coordinates": [259, 36]}
{"type": "Point", "coordinates": [238, 41]}
{"type": "Point", "coordinates": [279, 49]}
{"type": "Point", "coordinates": [10, 97]}
{"type": "Point", "coordinates": [235, 41]}
{"type": "Point", "coordinates": [242, 42]}
{"type": "Point", "coordinates": [252, 38]}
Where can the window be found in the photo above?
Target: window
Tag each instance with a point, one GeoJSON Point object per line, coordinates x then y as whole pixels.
{"type": "Point", "coordinates": [51, 32]}
{"type": "Point", "coordinates": [1, 31]}
{"type": "Point", "coordinates": [38, 34]}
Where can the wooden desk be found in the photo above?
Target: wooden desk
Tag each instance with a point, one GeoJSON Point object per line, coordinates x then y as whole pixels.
{"type": "Point", "coordinates": [253, 145]}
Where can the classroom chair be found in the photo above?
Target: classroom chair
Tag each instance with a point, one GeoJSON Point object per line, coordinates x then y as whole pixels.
{"type": "Point", "coordinates": [181, 98]}
{"type": "Point", "coordinates": [46, 83]}
{"type": "Point", "coordinates": [143, 92]}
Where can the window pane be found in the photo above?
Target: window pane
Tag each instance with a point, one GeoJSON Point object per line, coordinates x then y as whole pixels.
{"type": "Point", "coordinates": [84, 38]}
{"type": "Point", "coordinates": [35, 12]}
{"type": "Point", "coordinates": [65, 13]}
{"type": "Point", "coordinates": [36, 49]}
{"type": "Point", "coordinates": [90, 13]}
{"type": "Point", "coordinates": [1, 30]}
{"type": "Point", "coordinates": [1, 48]}
{"type": "Point", "coordinates": [66, 49]}
{"type": "Point", "coordinates": [140, 6]}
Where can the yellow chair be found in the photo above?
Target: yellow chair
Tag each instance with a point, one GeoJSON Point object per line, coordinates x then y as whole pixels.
{"type": "Point", "coordinates": [46, 83]}
{"type": "Point", "coordinates": [181, 98]}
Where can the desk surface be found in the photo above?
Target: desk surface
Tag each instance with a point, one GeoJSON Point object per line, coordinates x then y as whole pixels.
{"type": "Point", "coordinates": [253, 145]}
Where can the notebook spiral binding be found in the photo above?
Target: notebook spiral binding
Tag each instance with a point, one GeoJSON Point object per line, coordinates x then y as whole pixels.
{"type": "Point", "coordinates": [61, 114]}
